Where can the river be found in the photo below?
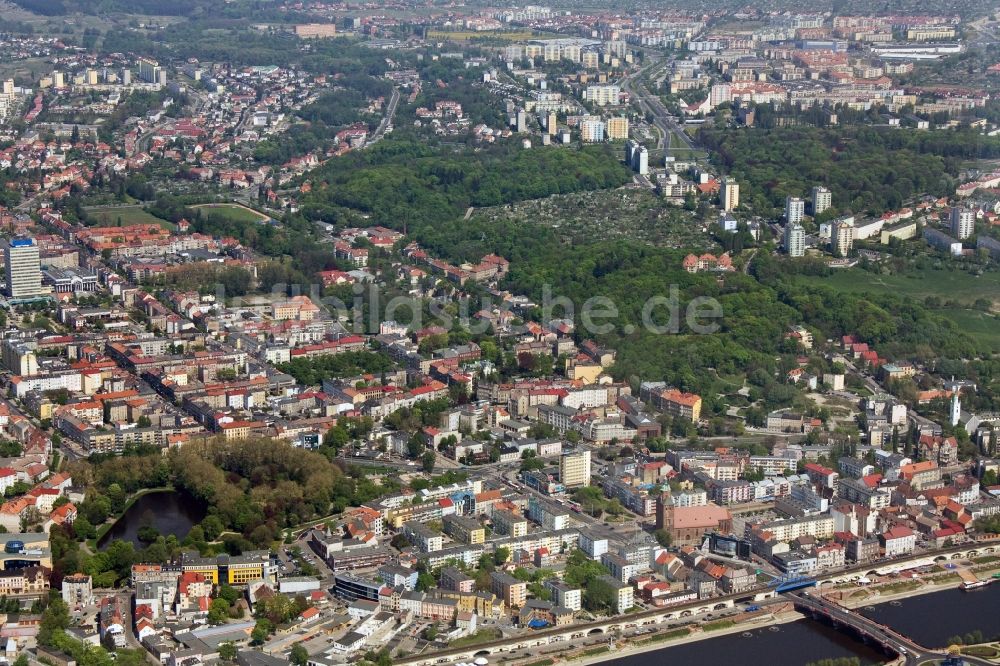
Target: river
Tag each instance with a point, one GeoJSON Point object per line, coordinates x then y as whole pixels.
{"type": "Point", "coordinates": [168, 511]}
{"type": "Point", "coordinates": [929, 619]}
{"type": "Point", "coordinates": [932, 619]}
{"type": "Point", "coordinates": [792, 644]}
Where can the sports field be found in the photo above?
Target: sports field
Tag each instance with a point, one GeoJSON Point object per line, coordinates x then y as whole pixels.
{"type": "Point", "coordinates": [123, 216]}
{"type": "Point", "coordinates": [234, 212]}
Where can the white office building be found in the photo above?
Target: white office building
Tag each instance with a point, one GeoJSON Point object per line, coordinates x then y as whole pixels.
{"type": "Point", "coordinates": [963, 222]}
{"type": "Point", "coordinates": [149, 70]}
{"type": "Point", "coordinates": [821, 199]}
{"type": "Point", "coordinates": [521, 121]}
{"type": "Point", "coordinates": [729, 194]}
{"type": "Point", "coordinates": [592, 130]}
{"type": "Point", "coordinates": [23, 268]}
{"type": "Point", "coordinates": [795, 210]}
{"type": "Point", "coordinates": [602, 95]}
{"type": "Point", "coordinates": [842, 236]}
{"type": "Point", "coordinates": [795, 240]}
{"type": "Point", "coordinates": [721, 93]}
{"type": "Point", "coordinates": [640, 160]}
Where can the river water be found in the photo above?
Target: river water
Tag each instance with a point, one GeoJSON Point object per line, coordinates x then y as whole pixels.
{"type": "Point", "coordinates": [932, 619]}
{"type": "Point", "coordinates": [929, 619]}
{"type": "Point", "coordinates": [793, 644]}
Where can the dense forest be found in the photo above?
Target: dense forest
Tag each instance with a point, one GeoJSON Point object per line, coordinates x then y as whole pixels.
{"type": "Point", "coordinates": [400, 182]}
{"type": "Point", "coordinates": [867, 169]}
{"type": "Point", "coordinates": [757, 308]}
{"type": "Point", "coordinates": [344, 105]}
{"type": "Point", "coordinates": [426, 188]}
{"type": "Point", "coordinates": [61, 7]}
{"type": "Point", "coordinates": [312, 371]}
{"type": "Point", "coordinates": [259, 486]}
{"type": "Point", "coordinates": [252, 489]}
{"type": "Point", "coordinates": [216, 38]}
{"type": "Point", "coordinates": [192, 8]}
{"type": "Point", "coordinates": [8, 197]}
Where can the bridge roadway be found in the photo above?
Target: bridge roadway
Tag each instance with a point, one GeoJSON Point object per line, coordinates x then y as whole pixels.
{"type": "Point", "coordinates": [654, 616]}
{"type": "Point", "coordinates": [869, 630]}
{"type": "Point", "coordinates": [866, 628]}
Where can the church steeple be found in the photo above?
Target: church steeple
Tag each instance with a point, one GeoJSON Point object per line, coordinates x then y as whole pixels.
{"type": "Point", "coordinates": [956, 404]}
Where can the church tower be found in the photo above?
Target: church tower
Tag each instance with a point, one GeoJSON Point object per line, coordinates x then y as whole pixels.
{"type": "Point", "coordinates": [665, 512]}
{"type": "Point", "coordinates": [956, 407]}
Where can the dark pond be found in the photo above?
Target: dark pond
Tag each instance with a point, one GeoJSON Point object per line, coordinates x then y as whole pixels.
{"type": "Point", "coordinates": [168, 512]}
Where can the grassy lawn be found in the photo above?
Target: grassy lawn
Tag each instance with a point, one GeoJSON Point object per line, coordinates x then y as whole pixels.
{"type": "Point", "coordinates": [981, 326]}
{"type": "Point", "coordinates": [718, 625]}
{"type": "Point", "coordinates": [595, 651]}
{"type": "Point", "coordinates": [901, 586]}
{"type": "Point", "coordinates": [949, 285]}
{"type": "Point", "coordinates": [955, 285]}
{"type": "Point", "coordinates": [109, 216]}
{"type": "Point", "coordinates": [983, 651]}
{"type": "Point", "coordinates": [233, 212]}
{"type": "Point", "coordinates": [666, 636]}
{"type": "Point", "coordinates": [481, 636]}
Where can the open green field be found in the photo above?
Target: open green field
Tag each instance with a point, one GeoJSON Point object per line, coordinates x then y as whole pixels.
{"type": "Point", "coordinates": [484, 635]}
{"type": "Point", "coordinates": [111, 216]}
{"type": "Point", "coordinates": [465, 35]}
{"type": "Point", "coordinates": [948, 285]}
{"type": "Point", "coordinates": [29, 68]}
{"type": "Point", "coordinates": [982, 326]}
{"type": "Point", "coordinates": [983, 651]}
{"type": "Point", "coordinates": [957, 286]}
{"type": "Point", "coordinates": [234, 212]}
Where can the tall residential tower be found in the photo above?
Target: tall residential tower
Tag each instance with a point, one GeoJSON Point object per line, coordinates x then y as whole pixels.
{"type": "Point", "coordinates": [23, 269]}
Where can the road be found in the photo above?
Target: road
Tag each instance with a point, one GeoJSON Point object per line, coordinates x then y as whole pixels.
{"type": "Point", "coordinates": [612, 531]}
{"type": "Point", "coordinates": [652, 105]}
{"type": "Point", "coordinates": [984, 33]}
{"type": "Point", "coordinates": [27, 205]}
{"type": "Point", "coordinates": [390, 113]}
{"type": "Point", "coordinates": [637, 618]}
{"type": "Point", "coordinates": [125, 598]}
{"type": "Point", "coordinates": [404, 465]}
{"type": "Point", "coordinates": [441, 464]}
{"type": "Point", "coordinates": [868, 380]}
